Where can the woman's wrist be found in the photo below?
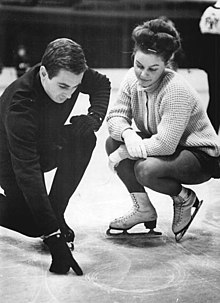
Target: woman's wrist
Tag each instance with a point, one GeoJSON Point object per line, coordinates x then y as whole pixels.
{"type": "Point", "coordinates": [127, 132]}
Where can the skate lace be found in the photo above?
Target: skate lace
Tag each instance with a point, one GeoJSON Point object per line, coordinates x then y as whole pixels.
{"type": "Point", "coordinates": [131, 213]}
{"type": "Point", "coordinates": [179, 207]}
{"type": "Point", "coordinates": [178, 213]}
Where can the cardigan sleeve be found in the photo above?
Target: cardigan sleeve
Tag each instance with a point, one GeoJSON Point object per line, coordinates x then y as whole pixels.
{"type": "Point", "coordinates": [175, 110]}
{"type": "Point", "coordinates": [120, 116]}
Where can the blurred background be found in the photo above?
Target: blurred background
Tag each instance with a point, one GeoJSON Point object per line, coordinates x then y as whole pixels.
{"type": "Point", "coordinates": [102, 27]}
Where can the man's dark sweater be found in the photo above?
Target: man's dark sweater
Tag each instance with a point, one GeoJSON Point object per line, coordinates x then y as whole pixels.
{"type": "Point", "coordinates": [31, 122]}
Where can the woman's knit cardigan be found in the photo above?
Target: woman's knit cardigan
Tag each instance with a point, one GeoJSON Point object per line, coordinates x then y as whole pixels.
{"type": "Point", "coordinates": [170, 114]}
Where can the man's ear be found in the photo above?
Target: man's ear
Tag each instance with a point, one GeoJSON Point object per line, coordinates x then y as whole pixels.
{"type": "Point", "coordinates": [43, 71]}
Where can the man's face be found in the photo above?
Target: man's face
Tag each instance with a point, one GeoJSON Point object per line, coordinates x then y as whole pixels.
{"type": "Point", "coordinates": [62, 86]}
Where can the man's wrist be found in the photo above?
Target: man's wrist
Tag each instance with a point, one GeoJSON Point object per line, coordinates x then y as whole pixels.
{"type": "Point", "coordinates": [97, 120]}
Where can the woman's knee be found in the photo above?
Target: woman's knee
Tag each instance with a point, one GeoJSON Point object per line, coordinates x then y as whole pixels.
{"type": "Point", "coordinates": [145, 172]}
{"type": "Point", "coordinates": [111, 145]}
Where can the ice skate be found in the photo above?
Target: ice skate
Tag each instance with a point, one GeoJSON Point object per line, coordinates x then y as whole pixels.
{"type": "Point", "coordinates": [183, 215]}
{"type": "Point", "coordinates": [142, 212]}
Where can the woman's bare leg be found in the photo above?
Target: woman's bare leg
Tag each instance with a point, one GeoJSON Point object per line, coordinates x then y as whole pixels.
{"type": "Point", "coordinates": [167, 174]}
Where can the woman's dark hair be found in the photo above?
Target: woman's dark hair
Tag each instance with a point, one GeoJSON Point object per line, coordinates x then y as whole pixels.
{"type": "Point", "coordinates": [157, 36]}
{"type": "Point", "coordinates": [64, 54]}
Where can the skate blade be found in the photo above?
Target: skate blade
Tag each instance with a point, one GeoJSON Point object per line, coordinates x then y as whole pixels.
{"type": "Point", "coordinates": [124, 233]}
{"type": "Point", "coordinates": [180, 234]}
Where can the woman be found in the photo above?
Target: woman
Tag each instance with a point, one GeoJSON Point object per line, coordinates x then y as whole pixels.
{"type": "Point", "coordinates": [175, 143]}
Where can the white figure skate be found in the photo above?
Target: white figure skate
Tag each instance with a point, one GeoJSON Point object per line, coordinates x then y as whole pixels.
{"type": "Point", "coordinates": [142, 212]}
{"type": "Point", "coordinates": [183, 215]}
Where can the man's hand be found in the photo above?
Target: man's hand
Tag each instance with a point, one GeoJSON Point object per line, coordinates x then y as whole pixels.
{"type": "Point", "coordinates": [84, 124]}
{"type": "Point", "coordinates": [134, 144]}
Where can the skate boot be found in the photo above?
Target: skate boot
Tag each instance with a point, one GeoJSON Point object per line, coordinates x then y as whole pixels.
{"type": "Point", "coordinates": [182, 213]}
{"type": "Point", "coordinates": [62, 259]}
{"type": "Point", "coordinates": [142, 212]}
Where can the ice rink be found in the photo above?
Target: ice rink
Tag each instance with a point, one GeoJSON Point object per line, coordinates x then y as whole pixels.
{"type": "Point", "coordinates": [132, 270]}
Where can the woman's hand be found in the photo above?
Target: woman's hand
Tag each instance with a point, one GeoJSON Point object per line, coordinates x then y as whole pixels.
{"type": "Point", "coordinates": [114, 160]}
{"type": "Point", "coordinates": [118, 155]}
{"type": "Point", "coordinates": [134, 144]}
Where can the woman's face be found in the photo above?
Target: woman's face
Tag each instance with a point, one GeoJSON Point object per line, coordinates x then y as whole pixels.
{"type": "Point", "coordinates": [148, 68]}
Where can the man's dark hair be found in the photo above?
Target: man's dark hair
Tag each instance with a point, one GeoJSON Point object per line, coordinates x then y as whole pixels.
{"type": "Point", "coordinates": [64, 54]}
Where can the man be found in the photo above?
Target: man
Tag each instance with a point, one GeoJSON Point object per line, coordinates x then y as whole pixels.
{"type": "Point", "coordinates": [34, 139]}
{"type": "Point", "coordinates": [209, 52]}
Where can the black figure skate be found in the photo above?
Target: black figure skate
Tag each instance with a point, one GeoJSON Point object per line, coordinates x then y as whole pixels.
{"type": "Point", "coordinates": [183, 216]}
